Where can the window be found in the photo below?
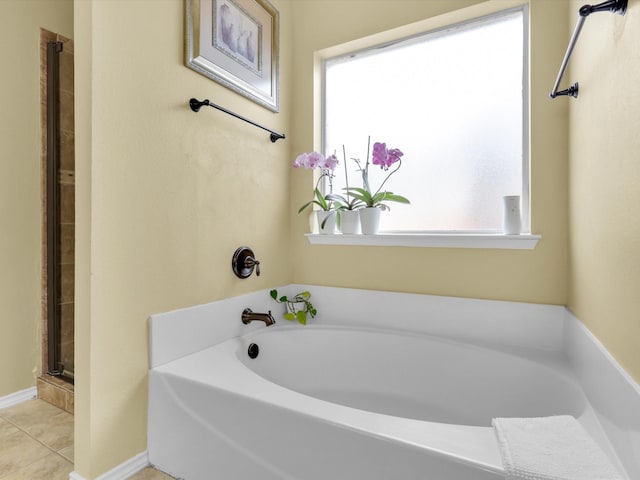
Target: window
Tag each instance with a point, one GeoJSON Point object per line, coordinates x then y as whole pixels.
{"type": "Point", "coordinates": [454, 101]}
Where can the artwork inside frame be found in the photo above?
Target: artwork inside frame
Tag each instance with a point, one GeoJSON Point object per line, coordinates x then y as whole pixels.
{"type": "Point", "coordinates": [235, 43]}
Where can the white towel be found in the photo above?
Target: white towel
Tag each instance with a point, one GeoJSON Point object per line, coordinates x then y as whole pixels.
{"type": "Point", "coordinates": [550, 448]}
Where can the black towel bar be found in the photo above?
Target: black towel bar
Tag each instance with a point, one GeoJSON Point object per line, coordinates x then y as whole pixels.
{"type": "Point", "coordinates": [613, 6]}
{"type": "Point", "coordinates": [196, 105]}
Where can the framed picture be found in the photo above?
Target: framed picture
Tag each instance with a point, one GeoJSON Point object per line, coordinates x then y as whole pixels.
{"type": "Point", "coordinates": [235, 43]}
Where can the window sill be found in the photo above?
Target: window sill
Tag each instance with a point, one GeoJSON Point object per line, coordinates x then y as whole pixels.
{"type": "Point", "coordinates": [460, 240]}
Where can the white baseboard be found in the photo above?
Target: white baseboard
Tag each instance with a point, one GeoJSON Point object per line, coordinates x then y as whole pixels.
{"type": "Point", "coordinates": [18, 397]}
{"type": "Point", "coordinates": [122, 471]}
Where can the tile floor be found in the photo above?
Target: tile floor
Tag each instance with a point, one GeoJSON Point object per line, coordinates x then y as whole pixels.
{"type": "Point", "coordinates": [36, 443]}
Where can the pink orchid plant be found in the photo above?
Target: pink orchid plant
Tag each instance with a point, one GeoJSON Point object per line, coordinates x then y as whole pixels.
{"type": "Point", "coordinates": [311, 161]}
{"type": "Point", "coordinates": [383, 157]}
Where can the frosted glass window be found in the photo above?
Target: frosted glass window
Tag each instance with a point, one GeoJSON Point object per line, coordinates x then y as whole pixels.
{"type": "Point", "coordinates": [453, 101]}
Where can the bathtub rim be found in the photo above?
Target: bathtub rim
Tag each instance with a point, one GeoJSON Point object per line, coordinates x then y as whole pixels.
{"type": "Point", "coordinates": [496, 322]}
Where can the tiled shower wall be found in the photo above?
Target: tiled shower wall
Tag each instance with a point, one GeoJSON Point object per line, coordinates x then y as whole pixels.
{"type": "Point", "coordinates": [63, 399]}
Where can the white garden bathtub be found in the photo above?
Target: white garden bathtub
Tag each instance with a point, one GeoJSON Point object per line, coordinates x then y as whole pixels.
{"type": "Point", "coordinates": [331, 402]}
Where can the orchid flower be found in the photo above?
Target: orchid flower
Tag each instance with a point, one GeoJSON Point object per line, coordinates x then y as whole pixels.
{"type": "Point", "coordinates": [311, 161]}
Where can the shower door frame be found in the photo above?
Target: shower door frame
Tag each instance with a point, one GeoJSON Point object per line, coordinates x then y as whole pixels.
{"type": "Point", "coordinates": [53, 214]}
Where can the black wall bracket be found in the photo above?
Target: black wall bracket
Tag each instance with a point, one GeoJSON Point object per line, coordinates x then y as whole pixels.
{"type": "Point", "coordinates": [613, 6]}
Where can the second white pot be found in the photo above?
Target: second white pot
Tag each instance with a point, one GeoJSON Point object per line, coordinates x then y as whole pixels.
{"type": "Point", "coordinates": [350, 222]}
{"type": "Point", "coordinates": [369, 220]}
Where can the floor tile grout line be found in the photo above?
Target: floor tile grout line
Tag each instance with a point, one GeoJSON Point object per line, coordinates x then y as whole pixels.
{"type": "Point", "coordinates": [36, 439]}
{"type": "Point", "coordinates": [27, 465]}
{"type": "Point", "coordinates": [22, 430]}
{"type": "Point", "coordinates": [50, 449]}
{"type": "Point", "coordinates": [23, 467]}
{"type": "Point", "coordinates": [64, 458]}
{"type": "Point", "coordinates": [33, 438]}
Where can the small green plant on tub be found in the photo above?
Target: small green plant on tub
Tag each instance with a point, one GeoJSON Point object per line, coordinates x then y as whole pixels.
{"type": "Point", "coordinates": [298, 307]}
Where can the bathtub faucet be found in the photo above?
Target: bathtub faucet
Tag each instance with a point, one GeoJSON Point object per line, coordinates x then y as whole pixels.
{"type": "Point", "coordinates": [249, 316]}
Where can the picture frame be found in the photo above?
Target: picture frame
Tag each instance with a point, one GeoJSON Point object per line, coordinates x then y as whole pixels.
{"type": "Point", "coordinates": [236, 43]}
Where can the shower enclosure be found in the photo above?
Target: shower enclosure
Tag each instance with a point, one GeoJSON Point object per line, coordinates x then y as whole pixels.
{"type": "Point", "coordinates": [58, 206]}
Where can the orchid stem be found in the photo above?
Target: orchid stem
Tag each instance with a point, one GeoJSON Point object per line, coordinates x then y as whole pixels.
{"type": "Point", "coordinates": [346, 174]}
{"type": "Point", "coordinates": [389, 176]}
{"type": "Point", "coordinates": [365, 172]}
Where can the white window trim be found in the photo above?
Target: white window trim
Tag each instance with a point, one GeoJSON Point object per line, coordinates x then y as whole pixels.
{"type": "Point", "coordinates": [525, 241]}
{"type": "Point", "coordinates": [439, 240]}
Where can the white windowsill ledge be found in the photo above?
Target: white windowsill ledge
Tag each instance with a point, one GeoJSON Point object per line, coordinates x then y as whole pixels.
{"type": "Point", "coordinates": [461, 240]}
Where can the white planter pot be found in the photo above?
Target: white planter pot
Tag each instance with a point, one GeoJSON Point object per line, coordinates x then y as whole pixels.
{"type": "Point", "coordinates": [350, 222]}
{"type": "Point", "coordinates": [329, 221]}
{"type": "Point", "coordinates": [369, 220]}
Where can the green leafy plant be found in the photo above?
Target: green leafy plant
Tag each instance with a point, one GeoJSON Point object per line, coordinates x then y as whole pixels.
{"type": "Point", "coordinates": [376, 199]}
{"type": "Point", "coordinates": [298, 307]}
{"type": "Point", "coordinates": [342, 203]}
{"type": "Point", "coordinates": [324, 202]}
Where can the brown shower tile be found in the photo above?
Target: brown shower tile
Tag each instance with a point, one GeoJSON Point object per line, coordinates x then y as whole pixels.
{"type": "Point", "coordinates": [67, 243]}
{"type": "Point", "coordinates": [67, 326]}
{"type": "Point", "coordinates": [47, 36]}
{"type": "Point", "coordinates": [67, 204]}
{"type": "Point", "coordinates": [43, 101]}
{"type": "Point", "coordinates": [67, 275]}
{"type": "Point", "coordinates": [66, 70]}
{"type": "Point", "coordinates": [44, 344]}
{"type": "Point", "coordinates": [66, 348]}
{"type": "Point", "coordinates": [51, 394]}
{"type": "Point", "coordinates": [70, 406]}
{"type": "Point", "coordinates": [59, 382]}
{"type": "Point", "coordinates": [66, 112]}
{"type": "Point", "coordinates": [66, 403]}
{"type": "Point", "coordinates": [51, 467]}
{"type": "Point", "coordinates": [18, 450]}
{"type": "Point", "coordinates": [68, 43]}
{"type": "Point", "coordinates": [67, 151]}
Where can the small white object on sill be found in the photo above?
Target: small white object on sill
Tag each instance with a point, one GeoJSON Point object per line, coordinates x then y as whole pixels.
{"type": "Point", "coordinates": [512, 224]}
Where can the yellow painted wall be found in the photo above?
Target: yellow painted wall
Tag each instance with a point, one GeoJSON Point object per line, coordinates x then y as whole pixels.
{"type": "Point", "coordinates": [533, 276]}
{"type": "Point", "coordinates": [165, 196]}
{"type": "Point", "coordinates": [605, 182]}
{"type": "Point", "coordinates": [20, 207]}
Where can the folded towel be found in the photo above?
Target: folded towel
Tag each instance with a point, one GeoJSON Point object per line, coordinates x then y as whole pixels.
{"type": "Point", "coordinates": [550, 448]}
